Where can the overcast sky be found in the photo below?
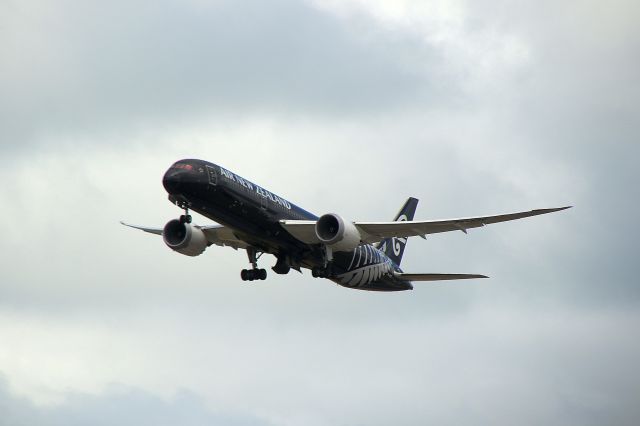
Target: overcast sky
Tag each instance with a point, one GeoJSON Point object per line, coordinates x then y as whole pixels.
{"type": "Point", "coordinates": [474, 107]}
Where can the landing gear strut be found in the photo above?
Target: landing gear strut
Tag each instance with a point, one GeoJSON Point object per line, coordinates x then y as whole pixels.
{"type": "Point", "coordinates": [186, 217]}
{"type": "Point", "coordinates": [254, 273]}
{"type": "Point", "coordinates": [326, 271]}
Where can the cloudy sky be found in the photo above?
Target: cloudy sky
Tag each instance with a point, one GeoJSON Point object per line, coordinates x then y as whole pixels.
{"type": "Point", "coordinates": [474, 107]}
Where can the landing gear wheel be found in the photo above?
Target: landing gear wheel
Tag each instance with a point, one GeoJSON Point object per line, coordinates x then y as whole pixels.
{"type": "Point", "coordinates": [322, 272]}
{"type": "Point", "coordinates": [253, 274]}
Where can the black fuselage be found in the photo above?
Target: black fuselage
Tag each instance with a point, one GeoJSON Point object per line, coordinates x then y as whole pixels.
{"type": "Point", "coordinates": [253, 213]}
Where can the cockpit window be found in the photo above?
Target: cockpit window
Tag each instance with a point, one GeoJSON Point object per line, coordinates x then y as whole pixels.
{"type": "Point", "coordinates": [183, 166]}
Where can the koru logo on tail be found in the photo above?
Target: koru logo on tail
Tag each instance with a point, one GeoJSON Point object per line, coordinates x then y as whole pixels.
{"type": "Point", "coordinates": [398, 242]}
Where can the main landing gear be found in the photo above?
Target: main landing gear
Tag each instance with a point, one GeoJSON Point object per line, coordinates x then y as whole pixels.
{"type": "Point", "coordinates": [327, 270]}
{"type": "Point", "coordinates": [254, 273]}
{"type": "Point", "coordinates": [322, 272]}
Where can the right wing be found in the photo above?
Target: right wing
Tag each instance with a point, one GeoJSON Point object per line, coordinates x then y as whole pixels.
{"type": "Point", "coordinates": [376, 231]}
{"type": "Point", "coordinates": [216, 234]}
{"type": "Point", "coordinates": [372, 232]}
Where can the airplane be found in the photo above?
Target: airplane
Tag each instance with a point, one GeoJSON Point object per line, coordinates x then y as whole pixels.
{"type": "Point", "coordinates": [357, 255]}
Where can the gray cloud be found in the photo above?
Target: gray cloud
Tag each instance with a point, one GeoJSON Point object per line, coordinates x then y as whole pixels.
{"type": "Point", "coordinates": [101, 98]}
{"type": "Point", "coordinates": [118, 405]}
{"type": "Point", "coordinates": [83, 67]}
{"type": "Point", "coordinates": [489, 365]}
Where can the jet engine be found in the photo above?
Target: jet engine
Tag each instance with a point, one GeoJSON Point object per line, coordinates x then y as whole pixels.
{"type": "Point", "coordinates": [184, 238]}
{"type": "Point", "coordinates": [337, 233]}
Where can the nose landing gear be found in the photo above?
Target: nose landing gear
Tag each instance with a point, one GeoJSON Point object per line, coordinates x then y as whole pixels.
{"type": "Point", "coordinates": [254, 273]}
{"type": "Point", "coordinates": [186, 217]}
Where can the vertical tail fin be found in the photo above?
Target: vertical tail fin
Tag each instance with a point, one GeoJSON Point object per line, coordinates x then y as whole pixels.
{"type": "Point", "coordinates": [394, 247]}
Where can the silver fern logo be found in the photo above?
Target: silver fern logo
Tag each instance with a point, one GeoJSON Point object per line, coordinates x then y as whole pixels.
{"type": "Point", "coordinates": [367, 265]}
{"type": "Point", "coordinates": [365, 275]}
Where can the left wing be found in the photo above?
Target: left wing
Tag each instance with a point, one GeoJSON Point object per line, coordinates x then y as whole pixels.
{"type": "Point", "coordinates": [216, 234]}
{"type": "Point", "coordinates": [372, 232]}
{"type": "Point", "coordinates": [223, 236]}
{"type": "Point", "coordinates": [157, 231]}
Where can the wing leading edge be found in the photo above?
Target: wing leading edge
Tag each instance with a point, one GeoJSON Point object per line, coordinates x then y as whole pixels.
{"type": "Point", "coordinates": [372, 232]}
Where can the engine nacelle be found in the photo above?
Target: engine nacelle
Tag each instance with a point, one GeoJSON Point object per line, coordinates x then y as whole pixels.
{"type": "Point", "coordinates": [337, 233]}
{"type": "Point", "coordinates": [184, 238]}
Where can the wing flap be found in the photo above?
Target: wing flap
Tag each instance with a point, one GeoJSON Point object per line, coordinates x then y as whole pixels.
{"type": "Point", "coordinates": [222, 236]}
{"type": "Point", "coordinates": [302, 230]}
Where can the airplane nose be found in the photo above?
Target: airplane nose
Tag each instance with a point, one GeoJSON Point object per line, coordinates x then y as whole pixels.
{"type": "Point", "coordinates": [172, 181]}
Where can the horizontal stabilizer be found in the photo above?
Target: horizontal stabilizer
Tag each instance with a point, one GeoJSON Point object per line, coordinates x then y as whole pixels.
{"type": "Point", "coordinates": [437, 277]}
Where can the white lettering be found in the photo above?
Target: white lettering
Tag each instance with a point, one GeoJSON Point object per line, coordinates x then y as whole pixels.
{"type": "Point", "coordinates": [227, 174]}
{"type": "Point", "coordinates": [274, 198]}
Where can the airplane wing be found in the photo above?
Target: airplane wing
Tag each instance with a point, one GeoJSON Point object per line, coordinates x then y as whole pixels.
{"type": "Point", "coordinates": [437, 277]}
{"type": "Point", "coordinates": [372, 232]}
{"type": "Point", "coordinates": [216, 234]}
{"type": "Point", "coordinates": [157, 231]}
{"type": "Point", "coordinates": [223, 236]}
